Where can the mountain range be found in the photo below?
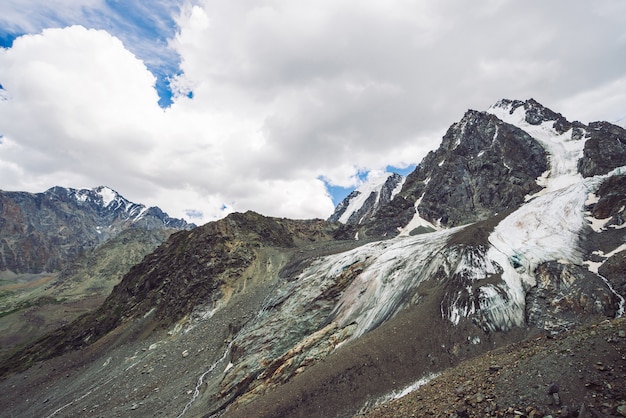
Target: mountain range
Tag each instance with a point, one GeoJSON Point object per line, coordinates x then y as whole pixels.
{"type": "Point", "coordinates": [510, 234]}
{"type": "Point", "coordinates": [63, 250]}
{"type": "Point", "coordinates": [44, 231]}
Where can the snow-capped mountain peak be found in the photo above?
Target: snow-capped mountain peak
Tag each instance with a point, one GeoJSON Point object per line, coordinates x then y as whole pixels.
{"type": "Point", "coordinates": [108, 195]}
{"type": "Point", "coordinates": [563, 141]}
{"type": "Point", "coordinates": [366, 199]}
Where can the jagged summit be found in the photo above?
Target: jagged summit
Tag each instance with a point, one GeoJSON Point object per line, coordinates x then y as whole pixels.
{"type": "Point", "coordinates": [534, 113]}
{"type": "Point", "coordinates": [363, 202]}
{"type": "Point", "coordinates": [492, 161]}
{"type": "Point", "coordinates": [109, 202]}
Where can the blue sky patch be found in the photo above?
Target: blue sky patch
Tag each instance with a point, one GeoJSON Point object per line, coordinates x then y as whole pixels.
{"type": "Point", "coordinates": [194, 214]}
{"type": "Point", "coordinates": [7, 38]}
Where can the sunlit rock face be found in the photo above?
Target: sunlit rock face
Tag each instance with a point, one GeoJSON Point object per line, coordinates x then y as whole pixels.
{"type": "Point", "coordinates": [293, 318]}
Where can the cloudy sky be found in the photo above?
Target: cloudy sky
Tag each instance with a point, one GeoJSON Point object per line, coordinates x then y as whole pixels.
{"type": "Point", "coordinates": [203, 107]}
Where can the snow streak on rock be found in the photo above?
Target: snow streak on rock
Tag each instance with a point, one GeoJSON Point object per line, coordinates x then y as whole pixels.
{"type": "Point", "coordinates": [563, 150]}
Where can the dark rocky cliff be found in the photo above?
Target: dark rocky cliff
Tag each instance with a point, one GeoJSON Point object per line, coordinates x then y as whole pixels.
{"type": "Point", "coordinates": [483, 166]}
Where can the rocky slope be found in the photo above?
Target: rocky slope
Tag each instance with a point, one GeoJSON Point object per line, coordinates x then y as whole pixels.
{"type": "Point", "coordinates": [584, 369]}
{"type": "Point", "coordinates": [265, 317]}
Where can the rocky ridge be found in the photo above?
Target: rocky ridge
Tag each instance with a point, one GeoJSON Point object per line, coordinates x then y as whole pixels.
{"type": "Point", "coordinates": [62, 251]}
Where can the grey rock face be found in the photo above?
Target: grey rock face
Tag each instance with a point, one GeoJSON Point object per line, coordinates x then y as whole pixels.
{"type": "Point", "coordinates": [604, 150]}
{"type": "Point", "coordinates": [45, 231]}
{"type": "Point", "coordinates": [610, 207]}
{"type": "Point", "coordinates": [566, 296]}
{"type": "Point", "coordinates": [483, 166]}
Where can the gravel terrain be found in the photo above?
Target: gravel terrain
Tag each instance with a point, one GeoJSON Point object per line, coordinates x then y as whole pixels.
{"type": "Point", "coordinates": [587, 367]}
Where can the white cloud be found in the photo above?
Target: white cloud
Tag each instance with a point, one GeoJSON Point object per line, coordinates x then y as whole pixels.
{"type": "Point", "coordinates": [74, 91]}
{"type": "Point", "coordinates": [285, 93]}
{"type": "Point", "coordinates": [604, 102]}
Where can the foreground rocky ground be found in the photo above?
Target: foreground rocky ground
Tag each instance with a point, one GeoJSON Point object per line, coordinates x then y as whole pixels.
{"type": "Point", "coordinates": [586, 366]}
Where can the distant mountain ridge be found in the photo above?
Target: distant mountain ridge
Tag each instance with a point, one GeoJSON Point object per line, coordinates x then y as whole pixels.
{"type": "Point", "coordinates": [44, 231]}
{"type": "Point", "coordinates": [363, 202]}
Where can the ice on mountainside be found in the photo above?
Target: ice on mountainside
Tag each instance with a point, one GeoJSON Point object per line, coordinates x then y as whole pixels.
{"type": "Point", "coordinates": [546, 228]}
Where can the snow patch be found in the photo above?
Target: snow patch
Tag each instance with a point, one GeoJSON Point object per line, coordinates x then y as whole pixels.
{"type": "Point", "coordinates": [417, 221]}
{"type": "Point", "coordinates": [107, 195]}
{"type": "Point", "coordinates": [398, 394]}
{"type": "Point", "coordinates": [80, 197]}
{"type": "Point", "coordinates": [598, 225]}
{"type": "Point", "coordinates": [141, 214]}
{"type": "Point", "coordinates": [592, 199]}
{"type": "Point", "coordinates": [398, 188]}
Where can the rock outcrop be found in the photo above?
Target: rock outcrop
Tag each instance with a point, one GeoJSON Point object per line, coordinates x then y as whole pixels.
{"type": "Point", "coordinates": [604, 150]}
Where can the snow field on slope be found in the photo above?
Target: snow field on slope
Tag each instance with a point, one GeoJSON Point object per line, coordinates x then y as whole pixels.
{"type": "Point", "coordinates": [395, 270]}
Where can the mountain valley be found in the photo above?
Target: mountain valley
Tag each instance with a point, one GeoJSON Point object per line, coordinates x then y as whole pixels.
{"type": "Point", "coordinates": [62, 251]}
{"type": "Point", "coordinates": [494, 270]}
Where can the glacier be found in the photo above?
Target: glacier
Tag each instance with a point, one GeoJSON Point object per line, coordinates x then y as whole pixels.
{"type": "Point", "coordinates": [376, 281]}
